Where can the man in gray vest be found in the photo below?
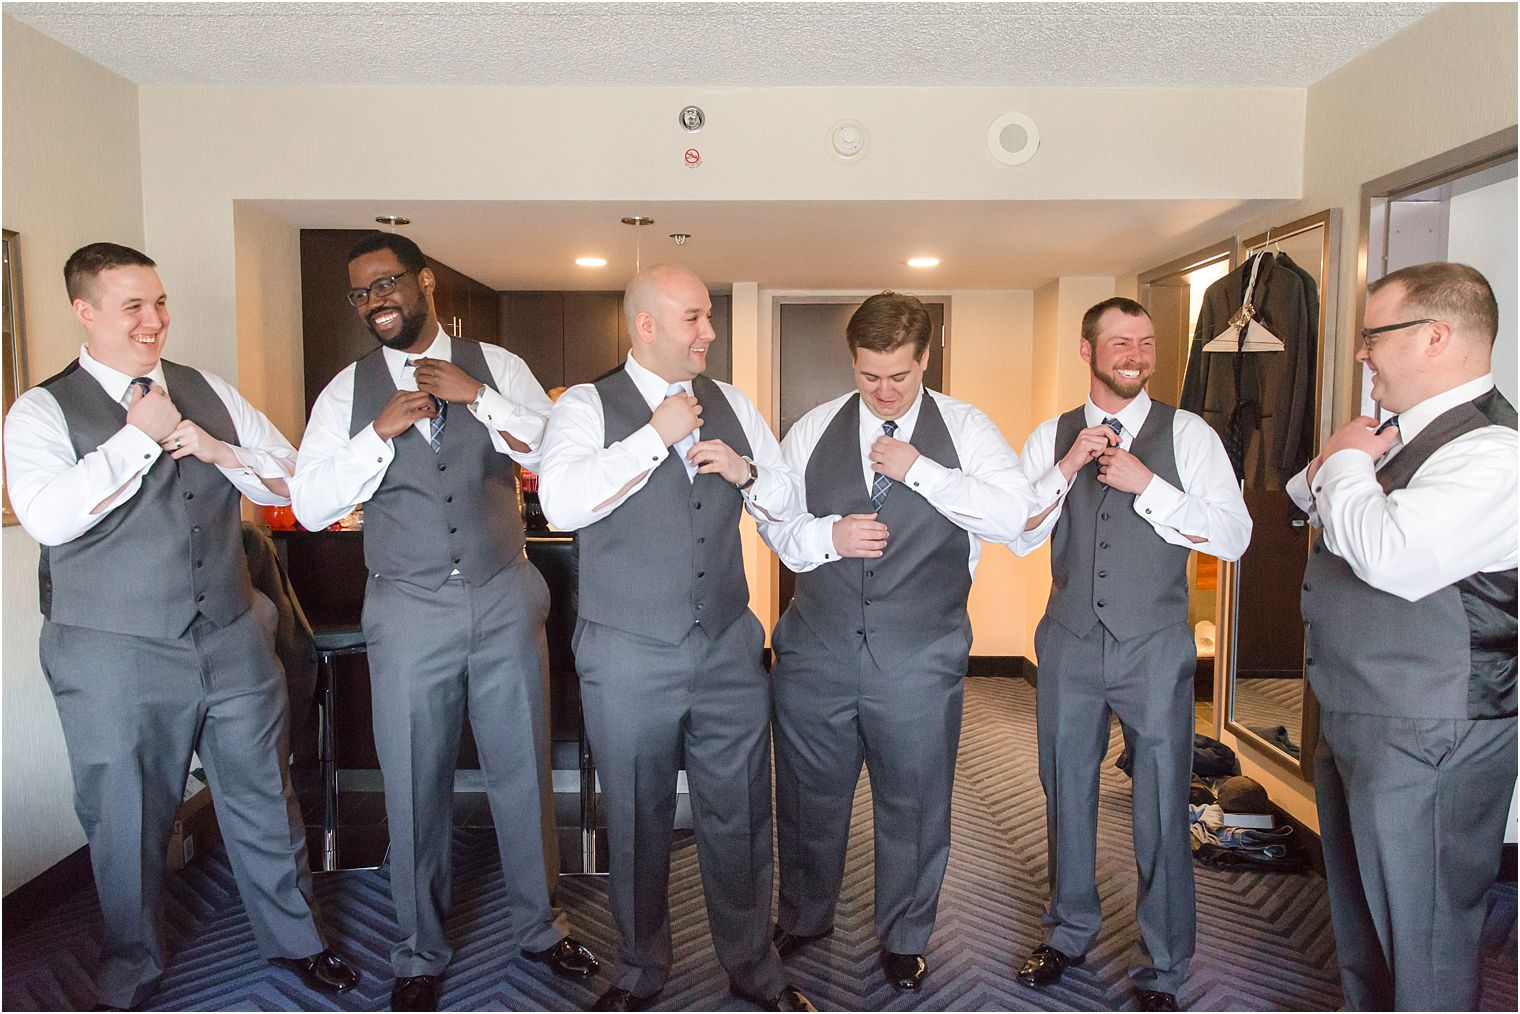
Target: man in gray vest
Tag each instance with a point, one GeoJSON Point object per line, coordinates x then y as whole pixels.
{"type": "Point", "coordinates": [653, 464]}
{"type": "Point", "coordinates": [130, 470]}
{"type": "Point", "coordinates": [1409, 623]}
{"type": "Point", "coordinates": [902, 486]}
{"type": "Point", "coordinates": [423, 432]}
{"type": "Point", "coordinates": [1136, 486]}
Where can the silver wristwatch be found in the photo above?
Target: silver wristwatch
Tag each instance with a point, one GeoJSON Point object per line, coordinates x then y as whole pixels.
{"type": "Point", "coordinates": [754, 473]}
{"type": "Point", "coordinates": [479, 394]}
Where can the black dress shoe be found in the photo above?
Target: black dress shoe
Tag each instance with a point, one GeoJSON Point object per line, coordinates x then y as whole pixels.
{"type": "Point", "coordinates": [323, 971]}
{"type": "Point", "coordinates": [568, 957]}
{"type": "Point", "coordinates": [790, 998]}
{"type": "Point", "coordinates": [1154, 999]}
{"type": "Point", "coordinates": [618, 998]}
{"type": "Point", "coordinates": [788, 944]}
{"type": "Point", "coordinates": [904, 971]}
{"type": "Point", "coordinates": [1045, 965]}
{"type": "Point", "coordinates": [415, 992]}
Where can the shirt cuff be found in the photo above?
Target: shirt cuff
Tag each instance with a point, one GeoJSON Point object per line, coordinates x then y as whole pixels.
{"type": "Point", "coordinates": [496, 413]}
{"type": "Point", "coordinates": [1158, 500]}
{"type": "Point", "coordinates": [1050, 487]}
{"type": "Point", "coordinates": [646, 446]}
{"type": "Point", "coordinates": [255, 464]}
{"type": "Point", "coordinates": [1342, 464]}
{"type": "Point", "coordinates": [368, 444]}
{"type": "Point", "coordinates": [820, 539]}
{"type": "Point", "coordinates": [926, 476]}
{"type": "Point", "coordinates": [133, 448]}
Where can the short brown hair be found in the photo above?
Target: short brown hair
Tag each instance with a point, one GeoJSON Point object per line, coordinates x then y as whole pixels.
{"type": "Point", "coordinates": [1095, 313]}
{"type": "Point", "coordinates": [85, 265]}
{"type": "Point", "coordinates": [1455, 293]}
{"type": "Point", "coordinates": [888, 321]}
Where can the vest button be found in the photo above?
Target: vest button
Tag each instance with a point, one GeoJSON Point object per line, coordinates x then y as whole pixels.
{"type": "Point", "coordinates": [870, 573]}
{"type": "Point", "coordinates": [198, 564]}
{"type": "Point", "coordinates": [701, 539]}
{"type": "Point", "coordinates": [200, 598]}
{"type": "Point", "coordinates": [189, 496]}
{"type": "Point", "coordinates": [1308, 661]}
{"type": "Point", "coordinates": [699, 607]}
{"type": "Point", "coordinates": [1101, 603]}
{"type": "Point", "coordinates": [1104, 516]}
{"type": "Point", "coordinates": [196, 530]}
{"type": "Point", "coordinates": [1306, 586]}
{"type": "Point", "coordinates": [701, 573]}
{"type": "Point", "coordinates": [1102, 545]}
{"type": "Point", "coordinates": [448, 499]}
{"type": "Point", "coordinates": [868, 601]}
{"type": "Point", "coordinates": [456, 559]}
{"type": "Point", "coordinates": [698, 505]}
{"type": "Point", "coordinates": [453, 530]}
{"type": "Point", "coordinates": [1103, 573]}
{"type": "Point", "coordinates": [862, 633]}
{"type": "Point", "coordinates": [442, 467]}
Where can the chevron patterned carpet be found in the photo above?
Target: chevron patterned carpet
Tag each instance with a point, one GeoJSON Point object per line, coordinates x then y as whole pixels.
{"type": "Point", "coordinates": [1264, 940]}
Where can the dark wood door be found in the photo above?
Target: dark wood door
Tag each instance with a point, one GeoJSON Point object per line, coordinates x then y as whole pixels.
{"type": "Point", "coordinates": [332, 333]}
{"type": "Point", "coordinates": [591, 335]}
{"type": "Point", "coordinates": [484, 318]}
{"type": "Point", "coordinates": [533, 326]}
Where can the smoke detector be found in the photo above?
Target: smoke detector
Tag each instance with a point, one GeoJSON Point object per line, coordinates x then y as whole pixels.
{"type": "Point", "coordinates": [848, 141]}
{"type": "Point", "coordinates": [1013, 139]}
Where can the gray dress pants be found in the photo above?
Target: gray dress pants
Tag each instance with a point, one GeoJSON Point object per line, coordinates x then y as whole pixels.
{"type": "Point", "coordinates": [133, 710]}
{"type": "Point", "coordinates": [1148, 682]}
{"type": "Point", "coordinates": [905, 724]}
{"type": "Point", "coordinates": [649, 706]}
{"type": "Point", "coordinates": [432, 654]}
{"type": "Point", "coordinates": [1411, 815]}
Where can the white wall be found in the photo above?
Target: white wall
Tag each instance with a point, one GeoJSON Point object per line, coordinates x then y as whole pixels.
{"type": "Point", "coordinates": [71, 177]}
{"type": "Point", "coordinates": [1481, 232]}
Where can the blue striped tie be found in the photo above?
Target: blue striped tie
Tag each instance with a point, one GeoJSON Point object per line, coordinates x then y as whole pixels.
{"type": "Point", "coordinates": [881, 485]}
{"type": "Point", "coordinates": [435, 431]}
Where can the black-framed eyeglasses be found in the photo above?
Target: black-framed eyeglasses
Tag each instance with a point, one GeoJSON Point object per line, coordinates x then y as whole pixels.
{"type": "Point", "coordinates": [1370, 334]}
{"type": "Point", "coordinates": [379, 287]}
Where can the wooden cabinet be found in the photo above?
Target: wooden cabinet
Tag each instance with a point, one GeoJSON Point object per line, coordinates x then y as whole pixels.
{"type": "Point", "coordinates": [466, 308]}
{"type": "Point", "coordinates": [570, 338]}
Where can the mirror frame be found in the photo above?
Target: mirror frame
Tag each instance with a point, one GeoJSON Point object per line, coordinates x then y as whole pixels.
{"type": "Point", "coordinates": [1329, 221]}
{"type": "Point", "coordinates": [14, 367]}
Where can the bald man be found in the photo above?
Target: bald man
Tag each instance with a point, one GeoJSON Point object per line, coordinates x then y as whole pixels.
{"type": "Point", "coordinates": [1409, 638]}
{"type": "Point", "coordinates": [653, 464]}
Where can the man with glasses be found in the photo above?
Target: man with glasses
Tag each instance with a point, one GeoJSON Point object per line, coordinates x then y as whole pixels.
{"type": "Point", "coordinates": [423, 432]}
{"type": "Point", "coordinates": [1409, 622]}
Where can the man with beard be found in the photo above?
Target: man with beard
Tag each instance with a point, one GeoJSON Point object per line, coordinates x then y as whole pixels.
{"type": "Point", "coordinates": [423, 432]}
{"type": "Point", "coordinates": [1136, 486]}
{"type": "Point", "coordinates": [130, 470]}
{"type": "Point", "coordinates": [668, 651]}
{"type": "Point", "coordinates": [1409, 625]}
{"type": "Point", "coordinates": [902, 486]}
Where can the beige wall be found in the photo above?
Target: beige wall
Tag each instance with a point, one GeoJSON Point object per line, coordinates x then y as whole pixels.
{"type": "Point", "coordinates": [71, 177]}
{"type": "Point", "coordinates": [267, 263]}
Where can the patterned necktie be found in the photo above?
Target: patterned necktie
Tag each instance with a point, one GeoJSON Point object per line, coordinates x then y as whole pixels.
{"type": "Point", "coordinates": [1113, 423]}
{"type": "Point", "coordinates": [435, 431]}
{"type": "Point", "coordinates": [881, 485]}
{"type": "Point", "coordinates": [1392, 420]}
{"type": "Point", "coordinates": [680, 447]}
{"type": "Point", "coordinates": [143, 384]}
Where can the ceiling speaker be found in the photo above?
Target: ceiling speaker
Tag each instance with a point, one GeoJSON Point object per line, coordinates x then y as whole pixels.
{"type": "Point", "coordinates": [1013, 139]}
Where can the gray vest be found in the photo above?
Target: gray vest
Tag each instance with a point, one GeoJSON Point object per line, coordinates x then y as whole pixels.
{"type": "Point", "coordinates": [174, 549]}
{"type": "Point", "coordinates": [1108, 565]}
{"type": "Point", "coordinates": [1448, 655]}
{"type": "Point", "coordinates": [668, 557]}
{"type": "Point", "coordinates": [915, 592]}
{"type": "Point", "coordinates": [436, 513]}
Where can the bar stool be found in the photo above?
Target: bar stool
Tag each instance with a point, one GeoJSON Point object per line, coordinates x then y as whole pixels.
{"type": "Point", "coordinates": [331, 643]}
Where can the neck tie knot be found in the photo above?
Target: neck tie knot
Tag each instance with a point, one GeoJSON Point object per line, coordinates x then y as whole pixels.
{"type": "Point", "coordinates": [143, 385]}
{"type": "Point", "coordinates": [889, 427]}
{"type": "Point", "coordinates": [1392, 420]}
{"type": "Point", "coordinates": [1113, 423]}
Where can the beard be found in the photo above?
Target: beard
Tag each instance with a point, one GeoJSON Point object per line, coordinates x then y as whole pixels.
{"type": "Point", "coordinates": [1123, 387]}
{"type": "Point", "coordinates": [406, 337]}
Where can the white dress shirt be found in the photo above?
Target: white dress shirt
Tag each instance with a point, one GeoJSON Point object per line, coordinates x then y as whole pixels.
{"type": "Point", "coordinates": [987, 496]}
{"type": "Point", "coordinates": [1209, 504]}
{"type": "Point", "coordinates": [1454, 519]}
{"type": "Point", "coordinates": [53, 490]}
{"type": "Point", "coordinates": [581, 479]}
{"type": "Point", "coordinates": [335, 471]}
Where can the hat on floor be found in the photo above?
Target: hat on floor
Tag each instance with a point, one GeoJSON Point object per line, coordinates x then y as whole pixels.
{"type": "Point", "coordinates": [1243, 795]}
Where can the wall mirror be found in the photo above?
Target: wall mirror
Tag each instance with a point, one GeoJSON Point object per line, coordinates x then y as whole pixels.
{"type": "Point", "coordinates": [1173, 295]}
{"type": "Point", "coordinates": [1265, 397]}
{"type": "Point", "coordinates": [14, 366]}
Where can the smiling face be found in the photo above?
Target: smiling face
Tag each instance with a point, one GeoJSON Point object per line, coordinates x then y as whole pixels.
{"type": "Point", "coordinates": [889, 382]}
{"type": "Point", "coordinates": [402, 319]}
{"type": "Point", "coordinates": [672, 325]}
{"type": "Point", "coordinates": [1122, 358]}
{"type": "Point", "coordinates": [127, 322]}
{"type": "Point", "coordinates": [1396, 358]}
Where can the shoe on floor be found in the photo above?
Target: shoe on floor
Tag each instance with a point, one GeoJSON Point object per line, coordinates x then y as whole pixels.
{"type": "Point", "coordinates": [1045, 965]}
{"type": "Point", "coordinates": [904, 971]}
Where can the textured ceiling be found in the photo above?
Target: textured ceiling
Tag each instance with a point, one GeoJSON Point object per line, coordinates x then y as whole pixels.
{"type": "Point", "coordinates": [723, 44]}
{"type": "Point", "coordinates": [793, 244]}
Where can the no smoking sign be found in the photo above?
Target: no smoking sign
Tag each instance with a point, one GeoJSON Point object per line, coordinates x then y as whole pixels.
{"type": "Point", "coordinates": [693, 158]}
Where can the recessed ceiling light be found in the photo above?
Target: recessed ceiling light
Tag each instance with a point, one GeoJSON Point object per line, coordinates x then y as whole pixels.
{"type": "Point", "coordinates": [923, 262]}
{"type": "Point", "coordinates": [392, 220]}
{"type": "Point", "coordinates": [591, 262]}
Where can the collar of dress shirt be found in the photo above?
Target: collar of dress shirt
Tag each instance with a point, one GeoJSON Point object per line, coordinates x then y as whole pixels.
{"type": "Point", "coordinates": [650, 384]}
{"type": "Point", "coordinates": [441, 348]}
{"type": "Point", "coordinates": [1131, 416]}
{"type": "Point", "coordinates": [1413, 420]}
{"type": "Point", "coordinates": [870, 425]}
{"type": "Point", "coordinates": [114, 381]}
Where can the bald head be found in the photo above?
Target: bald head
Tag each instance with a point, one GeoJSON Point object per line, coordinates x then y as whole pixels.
{"type": "Point", "coordinates": [669, 321]}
